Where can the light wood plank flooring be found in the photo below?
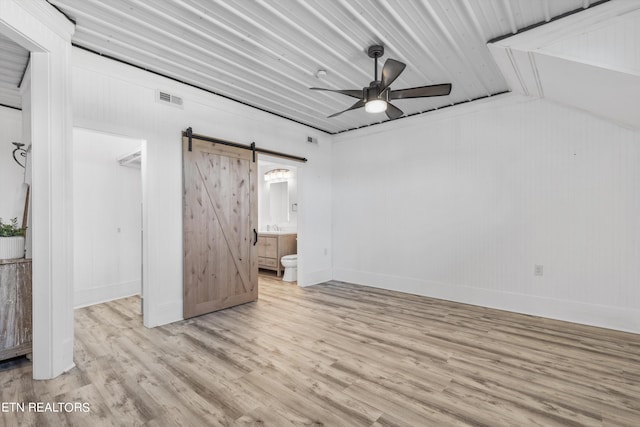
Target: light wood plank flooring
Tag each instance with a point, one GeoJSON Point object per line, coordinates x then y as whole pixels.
{"type": "Point", "coordinates": [338, 355]}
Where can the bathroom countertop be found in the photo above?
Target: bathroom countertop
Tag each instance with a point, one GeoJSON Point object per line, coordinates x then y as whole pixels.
{"type": "Point", "coordinates": [277, 233]}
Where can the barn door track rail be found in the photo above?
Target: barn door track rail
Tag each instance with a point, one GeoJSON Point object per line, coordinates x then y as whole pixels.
{"type": "Point", "coordinates": [189, 134]}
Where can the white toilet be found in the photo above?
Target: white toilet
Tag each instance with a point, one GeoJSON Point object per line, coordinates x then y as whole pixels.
{"type": "Point", "coordinates": [290, 264]}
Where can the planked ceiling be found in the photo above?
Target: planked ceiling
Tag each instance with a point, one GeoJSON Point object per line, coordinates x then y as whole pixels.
{"type": "Point", "coordinates": [13, 60]}
{"type": "Point", "coordinates": [266, 53]}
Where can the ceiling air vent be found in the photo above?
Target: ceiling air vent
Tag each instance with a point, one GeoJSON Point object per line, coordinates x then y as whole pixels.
{"type": "Point", "coordinates": [167, 98]}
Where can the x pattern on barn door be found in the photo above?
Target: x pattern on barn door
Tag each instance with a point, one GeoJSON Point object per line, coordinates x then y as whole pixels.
{"type": "Point", "coordinates": [220, 218]}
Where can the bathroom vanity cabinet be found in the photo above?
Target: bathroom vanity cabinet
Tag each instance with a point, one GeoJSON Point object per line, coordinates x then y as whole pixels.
{"type": "Point", "coordinates": [272, 247]}
{"type": "Point", "coordinates": [15, 308]}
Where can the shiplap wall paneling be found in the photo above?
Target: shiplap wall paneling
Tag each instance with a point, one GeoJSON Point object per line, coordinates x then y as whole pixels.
{"type": "Point", "coordinates": [461, 205]}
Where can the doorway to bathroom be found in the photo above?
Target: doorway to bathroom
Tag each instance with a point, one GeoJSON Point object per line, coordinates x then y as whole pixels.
{"type": "Point", "coordinates": [278, 182]}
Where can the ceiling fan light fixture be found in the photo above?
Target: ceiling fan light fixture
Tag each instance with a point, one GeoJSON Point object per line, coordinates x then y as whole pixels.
{"type": "Point", "coordinates": [375, 106]}
{"type": "Point", "coordinates": [375, 98]}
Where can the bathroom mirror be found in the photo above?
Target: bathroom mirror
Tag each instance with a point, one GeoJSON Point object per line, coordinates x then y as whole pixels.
{"type": "Point", "coordinates": [279, 202]}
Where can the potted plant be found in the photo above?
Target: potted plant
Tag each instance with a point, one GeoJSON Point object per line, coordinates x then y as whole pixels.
{"type": "Point", "coordinates": [11, 240]}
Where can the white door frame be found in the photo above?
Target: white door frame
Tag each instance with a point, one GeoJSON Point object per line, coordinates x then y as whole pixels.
{"type": "Point", "coordinates": [303, 280]}
{"type": "Point", "coordinates": [46, 33]}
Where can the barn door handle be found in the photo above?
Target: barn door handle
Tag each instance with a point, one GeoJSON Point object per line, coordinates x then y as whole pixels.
{"type": "Point", "coordinates": [255, 235]}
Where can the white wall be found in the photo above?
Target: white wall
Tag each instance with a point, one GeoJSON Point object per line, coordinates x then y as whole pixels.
{"type": "Point", "coordinates": [461, 204]}
{"type": "Point", "coordinates": [115, 98]}
{"type": "Point", "coordinates": [11, 174]}
{"type": "Point", "coordinates": [107, 219]}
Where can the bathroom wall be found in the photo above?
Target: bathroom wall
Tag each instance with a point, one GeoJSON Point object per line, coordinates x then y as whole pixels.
{"type": "Point", "coordinates": [107, 219]}
{"type": "Point", "coordinates": [264, 217]}
{"type": "Point", "coordinates": [11, 174]}
{"type": "Point", "coordinates": [116, 98]}
{"type": "Point", "coordinates": [462, 203]}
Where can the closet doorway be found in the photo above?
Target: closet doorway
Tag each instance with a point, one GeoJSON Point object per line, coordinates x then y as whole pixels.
{"type": "Point", "coordinates": [107, 195]}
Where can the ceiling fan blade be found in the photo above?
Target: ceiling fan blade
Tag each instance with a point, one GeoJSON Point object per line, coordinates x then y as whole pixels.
{"type": "Point", "coordinates": [422, 91]}
{"type": "Point", "coordinates": [391, 70]}
{"type": "Point", "coordinates": [358, 104]}
{"type": "Point", "coordinates": [355, 93]}
{"type": "Point", "coordinates": [393, 112]}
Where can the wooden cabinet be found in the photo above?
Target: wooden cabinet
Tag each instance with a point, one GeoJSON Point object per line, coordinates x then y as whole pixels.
{"type": "Point", "coordinates": [272, 247]}
{"type": "Point", "coordinates": [15, 308]}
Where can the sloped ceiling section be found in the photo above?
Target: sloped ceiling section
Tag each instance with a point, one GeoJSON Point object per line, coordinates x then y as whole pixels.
{"type": "Point", "coordinates": [266, 53]}
{"type": "Point", "coordinates": [13, 60]}
{"type": "Point", "coordinates": [590, 61]}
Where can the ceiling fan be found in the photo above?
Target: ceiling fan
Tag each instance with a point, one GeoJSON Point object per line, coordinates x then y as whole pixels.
{"type": "Point", "coordinates": [375, 98]}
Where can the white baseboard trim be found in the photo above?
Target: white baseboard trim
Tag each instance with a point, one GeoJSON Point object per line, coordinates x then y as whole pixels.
{"type": "Point", "coordinates": [164, 314]}
{"type": "Point", "coordinates": [92, 296]}
{"type": "Point", "coordinates": [622, 319]}
{"type": "Point", "coordinates": [314, 277]}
